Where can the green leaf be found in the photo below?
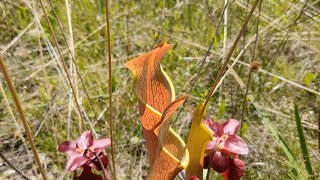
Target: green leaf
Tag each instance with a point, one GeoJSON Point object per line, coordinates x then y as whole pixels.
{"type": "Point", "coordinates": [303, 144]}
{"type": "Point", "coordinates": [220, 177]}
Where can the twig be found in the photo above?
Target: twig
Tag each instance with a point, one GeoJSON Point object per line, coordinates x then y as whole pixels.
{"type": "Point", "coordinates": [110, 89]}
{"type": "Point", "coordinates": [13, 166]}
{"type": "Point", "coordinates": [225, 65]}
{"type": "Point", "coordinates": [22, 116]}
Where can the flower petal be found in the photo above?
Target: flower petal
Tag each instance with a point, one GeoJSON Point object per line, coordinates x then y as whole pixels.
{"type": "Point", "coordinates": [231, 126]}
{"type": "Point", "coordinates": [235, 170]}
{"type": "Point", "coordinates": [85, 140]}
{"type": "Point", "coordinates": [206, 161]}
{"type": "Point", "coordinates": [236, 144]}
{"type": "Point", "coordinates": [240, 167]}
{"type": "Point", "coordinates": [211, 146]}
{"type": "Point", "coordinates": [76, 161]}
{"type": "Point", "coordinates": [104, 160]}
{"type": "Point", "coordinates": [216, 128]}
{"type": "Point", "coordinates": [101, 144]}
{"type": "Point", "coordinates": [194, 178]}
{"type": "Point", "coordinates": [67, 147]}
{"type": "Point", "coordinates": [219, 162]}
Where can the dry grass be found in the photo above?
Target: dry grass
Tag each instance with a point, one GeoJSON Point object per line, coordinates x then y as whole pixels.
{"type": "Point", "coordinates": [33, 62]}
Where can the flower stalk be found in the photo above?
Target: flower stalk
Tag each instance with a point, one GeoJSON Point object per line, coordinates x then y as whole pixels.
{"type": "Point", "coordinates": [100, 163]}
{"type": "Point", "coordinates": [110, 90]}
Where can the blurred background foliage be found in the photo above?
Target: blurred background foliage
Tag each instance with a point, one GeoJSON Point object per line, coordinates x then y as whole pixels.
{"type": "Point", "coordinates": [288, 48]}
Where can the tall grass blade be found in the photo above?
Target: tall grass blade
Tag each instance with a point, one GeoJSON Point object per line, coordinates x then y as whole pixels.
{"type": "Point", "coordinates": [303, 144]}
{"type": "Point", "coordinates": [22, 116]}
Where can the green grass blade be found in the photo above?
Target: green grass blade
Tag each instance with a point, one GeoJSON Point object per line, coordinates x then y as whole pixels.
{"type": "Point", "coordinates": [303, 144]}
{"type": "Point", "coordinates": [276, 135]}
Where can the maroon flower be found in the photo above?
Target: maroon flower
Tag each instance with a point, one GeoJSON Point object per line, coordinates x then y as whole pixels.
{"type": "Point", "coordinates": [224, 148]}
{"type": "Point", "coordinates": [81, 151]}
{"type": "Point", "coordinates": [88, 174]}
{"type": "Point", "coordinates": [194, 178]}
{"type": "Point", "coordinates": [94, 162]}
{"type": "Point", "coordinates": [235, 169]}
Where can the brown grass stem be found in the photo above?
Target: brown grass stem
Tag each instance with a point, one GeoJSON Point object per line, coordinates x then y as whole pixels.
{"type": "Point", "coordinates": [71, 51]}
{"type": "Point", "coordinates": [110, 89]}
{"type": "Point", "coordinates": [225, 64]}
{"type": "Point", "coordinates": [63, 63]}
{"type": "Point", "coordinates": [244, 102]}
{"type": "Point", "coordinates": [22, 116]}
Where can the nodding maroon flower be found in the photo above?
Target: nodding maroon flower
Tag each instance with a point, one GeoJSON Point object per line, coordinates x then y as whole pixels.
{"type": "Point", "coordinates": [224, 148]}
{"type": "Point", "coordinates": [82, 150]}
{"type": "Point", "coordinates": [88, 174]}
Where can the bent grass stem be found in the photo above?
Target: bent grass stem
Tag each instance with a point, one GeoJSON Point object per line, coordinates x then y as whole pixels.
{"type": "Point", "coordinates": [100, 162]}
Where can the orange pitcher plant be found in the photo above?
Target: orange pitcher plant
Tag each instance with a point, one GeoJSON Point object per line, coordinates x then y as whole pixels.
{"type": "Point", "coordinates": [168, 153]}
